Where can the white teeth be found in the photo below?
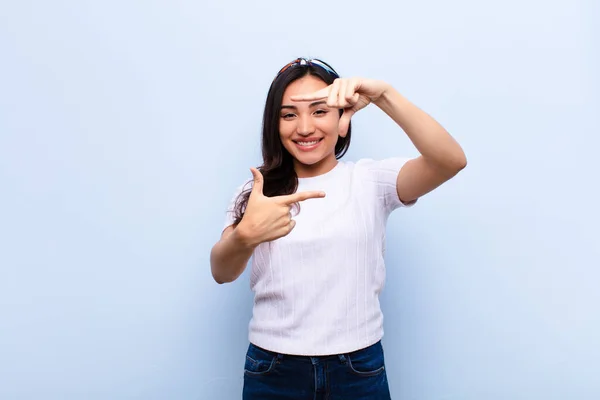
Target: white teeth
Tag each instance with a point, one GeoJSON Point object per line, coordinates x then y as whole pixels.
{"type": "Point", "coordinates": [308, 143]}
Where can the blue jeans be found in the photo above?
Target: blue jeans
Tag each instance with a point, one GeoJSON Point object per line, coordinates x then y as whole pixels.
{"type": "Point", "coordinates": [351, 376]}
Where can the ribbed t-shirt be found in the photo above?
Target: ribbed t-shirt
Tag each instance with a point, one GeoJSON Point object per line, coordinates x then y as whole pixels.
{"type": "Point", "coordinates": [316, 290]}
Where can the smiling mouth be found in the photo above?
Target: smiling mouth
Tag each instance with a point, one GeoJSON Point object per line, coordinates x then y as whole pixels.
{"type": "Point", "coordinates": [307, 143]}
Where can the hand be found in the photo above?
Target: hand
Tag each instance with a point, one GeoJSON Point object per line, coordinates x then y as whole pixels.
{"type": "Point", "coordinates": [351, 94]}
{"type": "Point", "coordinates": [269, 218]}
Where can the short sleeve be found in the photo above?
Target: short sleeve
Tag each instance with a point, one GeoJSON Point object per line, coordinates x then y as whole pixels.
{"type": "Point", "coordinates": [230, 213]}
{"type": "Point", "coordinates": [384, 174]}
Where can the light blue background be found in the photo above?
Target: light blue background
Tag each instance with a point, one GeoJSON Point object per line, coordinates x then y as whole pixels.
{"type": "Point", "coordinates": [125, 126]}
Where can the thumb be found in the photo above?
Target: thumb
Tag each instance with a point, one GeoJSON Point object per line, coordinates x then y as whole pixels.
{"type": "Point", "coordinates": [257, 188]}
{"type": "Point", "coordinates": [344, 124]}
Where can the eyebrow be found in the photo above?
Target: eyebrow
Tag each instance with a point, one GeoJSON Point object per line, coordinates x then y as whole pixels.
{"type": "Point", "coordinates": [316, 103]}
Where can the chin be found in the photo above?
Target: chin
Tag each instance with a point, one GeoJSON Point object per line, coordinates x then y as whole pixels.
{"type": "Point", "coordinates": [309, 159]}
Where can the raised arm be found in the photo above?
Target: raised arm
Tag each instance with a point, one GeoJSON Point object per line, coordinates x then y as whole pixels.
{"type": "Point", "coordinates": [441, 156]}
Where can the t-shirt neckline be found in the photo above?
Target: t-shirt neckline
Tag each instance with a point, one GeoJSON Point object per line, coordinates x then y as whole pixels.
{"type": "Point", "coordinates": [321, 176]}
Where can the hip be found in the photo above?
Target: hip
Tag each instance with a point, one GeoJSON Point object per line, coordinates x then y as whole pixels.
{"type": "Point", "coordinates": [359, 374]}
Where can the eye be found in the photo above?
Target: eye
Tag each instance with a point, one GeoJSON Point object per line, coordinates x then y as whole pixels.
{"type": "Point", "coordinates": [321, 112]}
{"type": "Point", "coordinates": [287, 116]}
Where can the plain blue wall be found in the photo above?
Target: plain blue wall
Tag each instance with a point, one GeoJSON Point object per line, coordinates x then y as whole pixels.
{"type": "Point", "coordinates": [126, 126]}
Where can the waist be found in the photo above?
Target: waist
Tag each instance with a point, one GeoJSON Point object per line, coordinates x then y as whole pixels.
{"type": "Point", "coordinates": [314, 359]}
{"type": "Point", "coordinates": [321, 334]}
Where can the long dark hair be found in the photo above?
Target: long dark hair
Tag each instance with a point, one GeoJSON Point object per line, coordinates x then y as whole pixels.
{"type": "Point", "coordinates": [278, 164]}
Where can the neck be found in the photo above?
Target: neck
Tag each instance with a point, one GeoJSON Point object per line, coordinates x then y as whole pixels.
{"type": "Point", "coordinates": [316, 169]}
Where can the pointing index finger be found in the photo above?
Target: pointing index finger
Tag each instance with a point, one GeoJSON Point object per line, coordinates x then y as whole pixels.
{"type": "Point", "coordinates": [318, 95]}
{"type": "Point", "coordinates": [301, 196]}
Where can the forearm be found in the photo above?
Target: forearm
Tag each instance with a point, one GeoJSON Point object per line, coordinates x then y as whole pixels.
{"type": "Point", "coordinates": [431, 140]}
{"type": "Point", "coordinates": [229, 257]}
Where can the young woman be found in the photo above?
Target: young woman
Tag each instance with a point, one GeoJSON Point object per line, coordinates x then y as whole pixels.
{"type": "Point", "coordinates": [315, 228]}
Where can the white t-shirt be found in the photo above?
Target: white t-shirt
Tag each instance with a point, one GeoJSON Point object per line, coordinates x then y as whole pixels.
{"type": "Point", "coordinates": [316, 290]}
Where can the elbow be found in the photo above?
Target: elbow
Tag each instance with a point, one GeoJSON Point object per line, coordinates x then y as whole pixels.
{"type": "Point", "coordinates": [215, 270]}
{"type": "Point", "coordinates": [449, 161]}
{"type": "Point", "coordinates": [456, 163]}
{"type": "Point", "coordinates": [460, 163]}
{"type": "Point", "coordinates": [452, 166]}
{"type": "Point", "coordinates": [220, 279]}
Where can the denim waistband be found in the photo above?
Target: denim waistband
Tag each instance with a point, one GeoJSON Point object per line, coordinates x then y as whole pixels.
{"type": "Point", "coordinates": [315, 359]}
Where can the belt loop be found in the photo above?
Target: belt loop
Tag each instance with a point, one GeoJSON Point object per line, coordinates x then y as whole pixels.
{"type": "Point", "coordinates": [342, 358]}
{"type": "Point", "coordinates": [279, 357]}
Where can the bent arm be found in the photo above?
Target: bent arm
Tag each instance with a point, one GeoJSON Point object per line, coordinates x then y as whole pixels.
{"type": "Point", "coordinates": [229, 256]}
{"type": "Point", "coordinates": [441, 156]}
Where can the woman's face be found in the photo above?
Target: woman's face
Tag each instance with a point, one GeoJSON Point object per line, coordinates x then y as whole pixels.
{"type": "Point", "coordinates": [309, 130]}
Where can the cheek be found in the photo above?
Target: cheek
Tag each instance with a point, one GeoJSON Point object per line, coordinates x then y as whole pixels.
{"type": "Point", "coordinates": [285, 134]}
{"type": "Point", "coordinates": [331, 124]}
{"type": "Point", "coordinates": [285, 130]}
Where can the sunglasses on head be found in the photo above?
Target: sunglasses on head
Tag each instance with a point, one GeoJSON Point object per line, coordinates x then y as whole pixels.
{"type": "Point", "coordinates": [312, 61]}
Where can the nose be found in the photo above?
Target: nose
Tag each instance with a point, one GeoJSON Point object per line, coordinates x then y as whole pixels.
{"type": "Point", "coordinates": [305, 126]}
